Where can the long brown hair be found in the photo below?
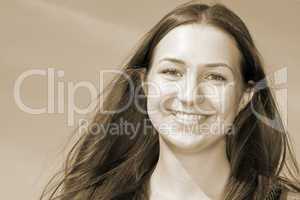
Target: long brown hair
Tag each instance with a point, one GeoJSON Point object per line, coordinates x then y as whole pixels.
{"type": "Point", "coordinates": [116, 166]}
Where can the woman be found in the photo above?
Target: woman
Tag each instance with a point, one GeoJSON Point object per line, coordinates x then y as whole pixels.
{"type": "Point", "coordinates": [213, 130]}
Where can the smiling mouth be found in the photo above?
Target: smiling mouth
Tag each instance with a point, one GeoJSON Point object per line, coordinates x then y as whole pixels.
{"type": "Point", "coordinates": [188, 118]}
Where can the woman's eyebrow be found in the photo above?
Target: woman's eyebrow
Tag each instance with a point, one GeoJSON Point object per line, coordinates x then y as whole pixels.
{"type": "Point", "coordinates": [174, 60]}
{"type": "Point", "coordinates": [216, 64]}
{"type": "Point", "coordinates": [219, 64]}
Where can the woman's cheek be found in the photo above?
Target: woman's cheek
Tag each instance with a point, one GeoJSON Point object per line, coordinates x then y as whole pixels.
{"type": "Point", "coordinates": [215, 96]}
{"type": "Point", "coordinates": [222, 98]}
{"type": "Point", "coordinates": [159, 92]}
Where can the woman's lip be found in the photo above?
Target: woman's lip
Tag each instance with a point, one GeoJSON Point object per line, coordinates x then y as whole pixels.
{"type": "Point", "coordinates": [190, 113]}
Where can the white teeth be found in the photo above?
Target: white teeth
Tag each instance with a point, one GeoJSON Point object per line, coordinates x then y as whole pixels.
{"type": "Point", "coordinates": [188, 118]}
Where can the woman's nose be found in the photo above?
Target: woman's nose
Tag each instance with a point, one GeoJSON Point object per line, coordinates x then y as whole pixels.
{"type": "Point", "coordinates": [190, 92]}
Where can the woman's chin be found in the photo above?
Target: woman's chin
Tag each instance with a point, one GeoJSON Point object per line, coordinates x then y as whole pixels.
{"type": "Point", "coordinates": [189, 142]}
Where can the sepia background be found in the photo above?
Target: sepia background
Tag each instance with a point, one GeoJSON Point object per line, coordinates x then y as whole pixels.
{"type": "Point", "coordinates": [82, 37]}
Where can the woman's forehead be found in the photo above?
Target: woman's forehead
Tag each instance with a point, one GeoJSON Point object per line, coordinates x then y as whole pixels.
{"type": "Point", "coordinates": [198, 44]}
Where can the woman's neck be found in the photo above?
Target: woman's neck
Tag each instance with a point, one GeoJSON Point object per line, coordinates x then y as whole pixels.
{"type": "Point", "coordinates": [200, 175]}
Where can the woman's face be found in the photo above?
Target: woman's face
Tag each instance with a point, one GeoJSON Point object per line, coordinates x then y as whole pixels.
{"type": "Point", "coordinates": [194, 86]}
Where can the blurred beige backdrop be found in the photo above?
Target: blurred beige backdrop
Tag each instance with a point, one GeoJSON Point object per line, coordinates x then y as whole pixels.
{"type": "Point", "coordinates": [83, 37]}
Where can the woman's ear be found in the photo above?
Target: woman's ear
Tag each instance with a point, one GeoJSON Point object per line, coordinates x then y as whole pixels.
{"type": "Point", "coordinates": [246, 98]}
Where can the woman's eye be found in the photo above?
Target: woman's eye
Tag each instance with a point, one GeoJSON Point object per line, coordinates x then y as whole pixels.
{"type": "Point", "coordinates": [172, 72]}
{"type": "Point", "coordinates": [215, 77]}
